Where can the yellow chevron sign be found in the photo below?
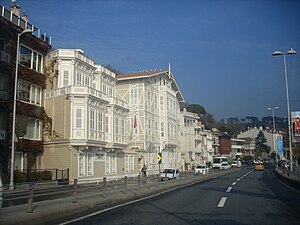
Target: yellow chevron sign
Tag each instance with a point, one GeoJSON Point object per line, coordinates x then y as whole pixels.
{"type": "Point", "coordinates": [159, 158]}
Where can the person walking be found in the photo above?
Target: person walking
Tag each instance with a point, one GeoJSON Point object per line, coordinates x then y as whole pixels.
{"type": "Point", "coordinates": [144, 171]}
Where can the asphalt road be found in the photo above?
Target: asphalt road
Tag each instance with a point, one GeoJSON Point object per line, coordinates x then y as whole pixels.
{"type": "Point", "coordinates": [244, 197]}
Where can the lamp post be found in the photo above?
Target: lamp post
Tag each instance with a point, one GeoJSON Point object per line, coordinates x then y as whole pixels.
{"type": "Point", "coordinates": [289, 52]}
{"type": "Point", "coordinates": [13, 136]}
{"type": "Point", "coordinates": [273, 116]}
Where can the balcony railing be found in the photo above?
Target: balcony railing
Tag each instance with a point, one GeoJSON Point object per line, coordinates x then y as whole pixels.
{"type": "Point", "coordinates": [83, 90]}
{"type": "Point", "coordinates": [17, 20]}
{"type": "Point", "coordinates": [115, 101]}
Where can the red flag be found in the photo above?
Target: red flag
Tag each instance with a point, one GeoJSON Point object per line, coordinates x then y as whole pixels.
{"type": "Point", "coordinates": [134, 123]}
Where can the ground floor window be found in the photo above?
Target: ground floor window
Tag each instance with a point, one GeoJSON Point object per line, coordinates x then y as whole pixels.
{"type": "Point", "coordinates": [110, 163]}
{"type": "Point", "coordinates": [18, 163]}
{"type": "Point", "coordinates": [129, 163]}
{"type": "Point", "coordinates": [86, 164]}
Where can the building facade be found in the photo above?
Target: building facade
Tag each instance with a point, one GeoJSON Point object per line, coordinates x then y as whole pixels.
{"type": "Point", "coordinates": [30, 117]}
{"type": "Point", "coordinates": [87, 133]}
{"type": "Point", "coordinates": [196, 142]}
{"type": "Point", "coordinates": [271, 137]}
{"type": "Point", "coordinates": [153, 98]}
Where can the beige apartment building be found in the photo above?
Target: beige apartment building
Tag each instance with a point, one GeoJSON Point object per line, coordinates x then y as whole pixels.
{"type": "Point", "coordinates": [88, 123]}
{"type": "Point", "coordinates": [196, 143]}
{"type": "Point", "coordinates": [153, 124]}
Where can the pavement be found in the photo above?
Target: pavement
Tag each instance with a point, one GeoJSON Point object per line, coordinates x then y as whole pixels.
{"type": "Point", "coordinates": [91, 199]}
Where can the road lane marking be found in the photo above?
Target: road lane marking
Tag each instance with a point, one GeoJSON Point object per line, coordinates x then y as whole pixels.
{"type": "Point", "coordinates": [229, 189]}
{"type": "Point", "coordinates": [234, 183]}
{"type": "Point", "coordinates": [238, 179]}
{"type": "Point", "coordinates": [222, 202]}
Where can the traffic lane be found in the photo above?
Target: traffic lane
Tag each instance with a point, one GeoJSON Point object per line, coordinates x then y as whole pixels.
{"type": "Point", "coordinates": [196, 204]}
{"type": "Point", "coordinates": [257, 199]}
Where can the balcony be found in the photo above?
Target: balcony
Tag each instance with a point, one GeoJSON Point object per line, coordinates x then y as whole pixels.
{"type": "Point", "coordinates": [71, 53]}
{"type": "Point", "coordinates": [7, 14]}
{"type": "Point", "coordinates": [115, 101]}
{"type": "Point", "coordinates": [75, 90]}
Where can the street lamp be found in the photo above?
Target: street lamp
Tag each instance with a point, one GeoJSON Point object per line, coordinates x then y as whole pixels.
{"type": "Point", "coordinates": [13, 136]}
{"type": "Point", "coordinates": [273, 116]}
{"type": "Point", "coordinates": [289, 52]}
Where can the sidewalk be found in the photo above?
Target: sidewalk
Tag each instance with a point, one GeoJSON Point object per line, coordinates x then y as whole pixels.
{"type": "Point", "coordinates": [59, 210]}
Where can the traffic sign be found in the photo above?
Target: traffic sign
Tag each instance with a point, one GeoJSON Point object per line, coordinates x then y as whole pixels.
{"type": "Point", "coordinates": [159, 158]}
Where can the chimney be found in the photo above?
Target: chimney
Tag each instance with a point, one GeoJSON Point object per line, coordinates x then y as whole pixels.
{"type": "Point", "coordinates": [15, 9]}
{"type": "Point", "coordinates": [25, 17]}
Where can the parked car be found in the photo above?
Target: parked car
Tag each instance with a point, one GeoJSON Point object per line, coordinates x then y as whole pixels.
{"type": "Point", "coordinates": [236, 163]}
{"type": "Point", "coordinates": [170, 173]}
{"type": "Point", "coordinates": [225, 166]}
{"type": "Point", "coordinates": [201, 169]}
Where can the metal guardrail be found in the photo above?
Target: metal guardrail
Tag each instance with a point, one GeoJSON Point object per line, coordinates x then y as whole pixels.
{"type": "Point", "coordinates": [42, 191]}
{"type": "Point", "coordinates": [294, 175]}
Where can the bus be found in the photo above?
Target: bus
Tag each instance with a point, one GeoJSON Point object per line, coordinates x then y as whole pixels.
{"type": "Point", "coordinates": [217, 161]}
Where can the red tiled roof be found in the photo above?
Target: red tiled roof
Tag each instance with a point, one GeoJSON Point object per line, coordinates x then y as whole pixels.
{"type": "Point", "coordinates": [140, 74]}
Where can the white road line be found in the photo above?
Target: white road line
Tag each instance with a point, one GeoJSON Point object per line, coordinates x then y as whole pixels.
{"type": "Point", "coordinates": [234, 183]}
{"type": "Point", "coordinates": [222, 202]}
{"type": "Point", "coordinates": [238, 179]}
{"type": "Point", "coordinates": [229, 189]}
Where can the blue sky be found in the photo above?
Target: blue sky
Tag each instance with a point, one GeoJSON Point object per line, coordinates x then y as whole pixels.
{"type": "Point", "coordinates": [220, 51]}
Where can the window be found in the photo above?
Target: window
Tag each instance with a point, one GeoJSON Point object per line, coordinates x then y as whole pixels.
{"type": "Point", "coordinates": [104, 89]}
{"type": "Point", "coordinates": [31, 59]}
{"type": "Point", "coordinates": [90, 164]}
{"type": "Point", "coordinates": [110, 164]}
{"type": "Point", "coordinates": [78, 79]}
{"type": "Point", "coordinates": [33, 128]}
{"type": "Point", "coordinates": [161, 103]}
{"type": "Point", "coordinates": [117, 126]}
{"type": "Point", "coordinates": [81, 165]}
{"type": "Point", "coordinates": [133, 96]}
{"type": "Point", "coordinates": [2, 44]}
{"type": "Point", "coordinates": [3, 82]}
{"type": "Point", "coordinates": [66, 79]}
{"type": "Point", "coordinates": [29, 93]}
{"type": "Point", "coordinates": [92, 120]}
{"type": "Point", "coordinates": [87, 81]}
{"type": "Point", "coordinates": [100, 121]}
{"type": "Point", "coordinates": [123, 128]}
{"type": "Point", "coordinates": [28, 127]}
{"type": "Point", "coordinates": [110, 92]}
{"type": "Point", "coordinates": [106, 124]}
{"type": "Point", "coordinates": [129, 163]}
{"type": "Point", "coordinates": [78, 119]}
{"type": "Point", "coordinates": [86, 164]}
{"type": "Point", "coordinates": [162, 129]}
